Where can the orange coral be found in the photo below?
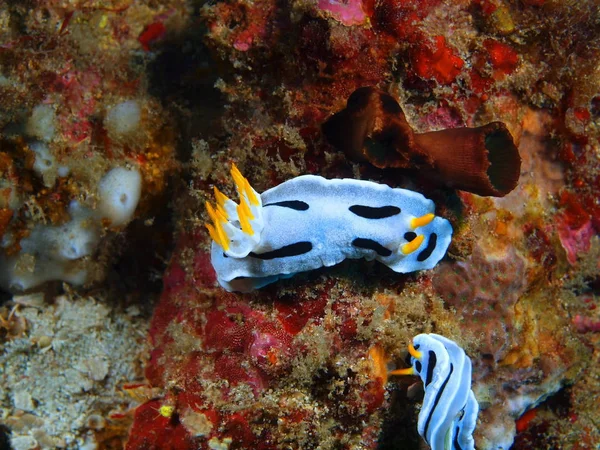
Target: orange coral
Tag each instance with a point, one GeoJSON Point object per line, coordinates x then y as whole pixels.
{"type": "Point", "coordinates": [379, 361]}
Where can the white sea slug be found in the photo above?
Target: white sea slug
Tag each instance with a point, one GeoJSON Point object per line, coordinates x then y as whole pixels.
{"type": "Point", "coordinates": [309, 222]}
{"type": "Point", "coordinates": [449, 413]}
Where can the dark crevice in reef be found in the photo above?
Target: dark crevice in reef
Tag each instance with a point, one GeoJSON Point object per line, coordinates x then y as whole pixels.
{"type": "Point", "coordinates": [182, 77]}
{"type": "Point", "coordinates": [4, 438]}
{"type": "Point", "coordinates": [399, 428]}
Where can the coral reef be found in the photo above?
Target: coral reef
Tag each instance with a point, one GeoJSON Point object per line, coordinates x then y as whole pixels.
{"type": "Point", "coordinates": [303, 358]}
{"type": "Point", "coordinates": [75, 111]}
{"type": "Point", "coordinates": [88, 88]}
{"type": "Point", "coordinates": [484, 292]}
{"type": "Point", "coordinates": [508, 262]}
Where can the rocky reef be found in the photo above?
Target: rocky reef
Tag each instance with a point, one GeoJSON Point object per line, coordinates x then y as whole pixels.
{"type": "Point", "coordinates": [118, 119]}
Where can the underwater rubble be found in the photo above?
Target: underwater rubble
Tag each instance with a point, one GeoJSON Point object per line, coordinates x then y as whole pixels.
{"type": "Point", "coordinates": [119, 119]}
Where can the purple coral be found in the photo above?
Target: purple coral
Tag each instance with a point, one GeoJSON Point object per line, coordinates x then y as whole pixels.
{"type": "Point", "coordinates": [484, 292]}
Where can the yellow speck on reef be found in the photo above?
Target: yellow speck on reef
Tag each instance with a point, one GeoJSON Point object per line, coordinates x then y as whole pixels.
{"type": "Point", "coordinates": [103, 21]}
{"type": "Point", "coordinates": [166, 411]}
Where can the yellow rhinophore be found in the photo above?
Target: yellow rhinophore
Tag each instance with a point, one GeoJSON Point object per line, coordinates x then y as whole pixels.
{"type": "Point", "coordinates": [412, 245]}
{"type": "Point", "coordinates": [409, 370]}
{"type": "Point", "coordinates": [243, 186]}
{"type": "Point", "coordinates": [414, 352]}
{"type": "Point", "coordinates": [416, 222]}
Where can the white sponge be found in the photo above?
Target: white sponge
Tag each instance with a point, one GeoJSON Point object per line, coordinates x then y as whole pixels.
{"type": "Point", "coordinates": [45, 164]}
{"type": "Point", "coordinates": [123, 120]}
{"type": "Point", "coordinates": [52, 253]}
{"type": "Point", "coordinates": [63, 252]}
{"type": "Point", "coordinates": [118, 194]}
{"type": "Point", "coordinates": [42, 122]}
{"type": "Point", "coordinates": [72, 240]}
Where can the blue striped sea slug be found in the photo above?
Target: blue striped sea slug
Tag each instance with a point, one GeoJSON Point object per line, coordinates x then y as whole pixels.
{"type": "Point", "coordinates": [309, 222]}
{"type": "Point", "coordinates": [449, 413]}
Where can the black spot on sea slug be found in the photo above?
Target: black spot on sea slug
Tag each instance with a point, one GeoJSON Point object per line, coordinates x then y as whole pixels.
{"type": "Point", "coordinates": [298, 248]}
{"type": "Point", "coordinates": [418, 366]}
{"type": "Point", "coordinates": [298, 205]}
{"type": "Point", "coordinates": [371, 212]}
{"type": "Point", "coordinates": [430, 366]}
{"type": "Point", "coordinates": [426, 253]}
{"type": "Point", "coordinates": [410, 236]}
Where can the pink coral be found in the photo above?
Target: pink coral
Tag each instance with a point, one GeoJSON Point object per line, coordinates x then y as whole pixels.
{"type": "Point", "coordinates": [575, 226]}
{"type": "Point", "coordinates": [585, 324]}
{"type": "Point", "coordinates": [348, 12]}
{"type": "Point", "coordinates": [575, 241]}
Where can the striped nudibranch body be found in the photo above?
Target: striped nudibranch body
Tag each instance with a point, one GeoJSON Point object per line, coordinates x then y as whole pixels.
{"type": "Point", "coordinates": [309, 222]}
{"type": "Point", "coordinates": [449, 413]}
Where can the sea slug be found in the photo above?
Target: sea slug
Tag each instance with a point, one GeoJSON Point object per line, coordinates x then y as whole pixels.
{"type": "Point", "coordinates": [449, 413]}
{"type": "Point", "coordinates": [309, 222]}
